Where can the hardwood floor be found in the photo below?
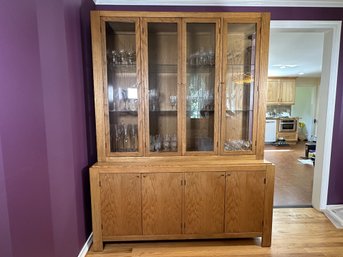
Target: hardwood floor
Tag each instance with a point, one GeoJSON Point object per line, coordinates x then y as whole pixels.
{"type": "Point", "coordinates": [293, 180]}
{"type": "Point", "coordinates": [299, 232]}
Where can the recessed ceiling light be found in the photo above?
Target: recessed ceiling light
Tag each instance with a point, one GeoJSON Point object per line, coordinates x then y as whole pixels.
{"type": "Point", "coordinates": [284, 66]}
{"type": "Point", "coordinates": [301, 73]}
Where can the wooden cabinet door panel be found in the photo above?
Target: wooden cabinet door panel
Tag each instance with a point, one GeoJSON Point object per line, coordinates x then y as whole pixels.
{"type": "Point", "coordinates": [244, 203]}
{"type": "Point", "coordinates": [120, 196]}
{"type": "Point", "coordinates": [204, 202]}
{"type": "Point", "coordinates": [273, 91]}
{"type": "Point", "coordinates": [162, 203]}
{"type": "Point", "coordinates": [287, 91]}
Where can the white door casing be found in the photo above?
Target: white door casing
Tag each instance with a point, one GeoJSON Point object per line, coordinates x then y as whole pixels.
{"type": "Point", "coordinates": [327, 91]}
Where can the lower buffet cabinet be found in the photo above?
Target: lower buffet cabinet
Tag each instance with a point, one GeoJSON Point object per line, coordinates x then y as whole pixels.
{"type": "Point", "coordinates": [145, 203]}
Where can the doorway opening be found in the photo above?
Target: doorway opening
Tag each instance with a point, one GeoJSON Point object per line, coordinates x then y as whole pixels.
{"type": "Point", "coordinates": [321, 131]}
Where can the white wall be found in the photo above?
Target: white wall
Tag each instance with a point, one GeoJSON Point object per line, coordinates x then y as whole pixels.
{"type": "Point", "coordinates": [306, 103]}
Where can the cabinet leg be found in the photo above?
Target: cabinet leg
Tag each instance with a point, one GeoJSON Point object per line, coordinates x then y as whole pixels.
{"type": "Point", "coordinates": [266, 240]}
{"type": "Point", "coordinates": [97, 246]}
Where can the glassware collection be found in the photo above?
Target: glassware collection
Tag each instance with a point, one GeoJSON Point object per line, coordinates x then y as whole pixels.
{"type": "Point", "coordinates": [123, 99]}
{"type": "Point", "coordinates": [200, 101]}
{"type": "Point", "coordinates": [122, 57]}
{"type": "Point", "coordinates": [124, 137]}
{"type": "Point", "coordinates": [166, 143]}
{"type": "Point", "coordinates": [202, 58]}
{"type": "Point", "coordinates": [237, 145]}
{"type": "Point", "coordinates": [154, 100]}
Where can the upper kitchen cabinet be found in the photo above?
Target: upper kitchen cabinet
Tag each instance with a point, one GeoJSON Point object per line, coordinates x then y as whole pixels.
{"type": "Point", "coordinates": [180, 84]}
{"type": "Point", "coordinates": [281, 91]}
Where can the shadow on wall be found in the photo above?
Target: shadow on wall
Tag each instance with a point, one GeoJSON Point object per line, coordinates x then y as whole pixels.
{"type": "Point", "coordinates": [86, 7]}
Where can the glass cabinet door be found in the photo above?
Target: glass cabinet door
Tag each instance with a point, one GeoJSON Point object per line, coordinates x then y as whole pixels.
{"type": "Point", "coordinates": [239, 58]}
{"type": "Point", "coordinates": [201, 81]}
{"type": "Point", "coordinates": [161, 64]}
{"type": "Point", "coordinates": [123, 96]}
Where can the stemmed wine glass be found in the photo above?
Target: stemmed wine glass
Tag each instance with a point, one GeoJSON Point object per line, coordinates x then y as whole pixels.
{"type": "Point", "coordinates": [173, 101]}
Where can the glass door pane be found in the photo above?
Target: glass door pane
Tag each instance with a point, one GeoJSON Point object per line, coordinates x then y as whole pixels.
{"type": "Point", "coordinates": [200, 86]}
{"type": "Point", "coordinates": [163, 83]}
{"type": "Point", "coordinates": [122, 91]}
{"type": "Point", "coordinates": [239, 78]}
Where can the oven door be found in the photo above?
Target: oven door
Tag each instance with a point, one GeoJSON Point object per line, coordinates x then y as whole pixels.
{"type": "Point", "coordinates": [287, 125]}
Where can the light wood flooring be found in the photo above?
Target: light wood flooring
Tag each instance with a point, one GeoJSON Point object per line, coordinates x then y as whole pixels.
{"type": "Point", "coordinates": [299, 232]}
{"type": "Point", "coordinates": [293, 180]}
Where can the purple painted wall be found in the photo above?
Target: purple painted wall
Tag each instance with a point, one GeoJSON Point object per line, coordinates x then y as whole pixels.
{"type": "Point", "coordinates": [47, 139]}
{"type": "Point", "coordinates": [335, 194]}
{"type": "Point", "coordinates": [44, 197]}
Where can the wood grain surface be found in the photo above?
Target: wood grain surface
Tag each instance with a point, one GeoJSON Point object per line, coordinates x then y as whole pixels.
{"type": "Point", "coordinates": [244, 203]}
{"type": "Point", "coordinates": [296, 233]}
{"type": "Point", "coordinates": [162, 203]}
{"type": "Point", "coordinates": [121, 204]}
{"type": "Point", "coordinates": [145, 196]}
{"type": "Point", "coordinates": [204, 202]}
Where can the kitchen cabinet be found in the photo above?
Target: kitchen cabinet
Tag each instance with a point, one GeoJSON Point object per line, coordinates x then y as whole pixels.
{"type": "Point", "coordinates": [180, 100]}
{"type": "Point", "coordinates": [281, 91]}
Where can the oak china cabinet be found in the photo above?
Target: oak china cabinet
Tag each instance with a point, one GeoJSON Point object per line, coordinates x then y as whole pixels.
{"type": "Point", "coordinates": [180, 113]}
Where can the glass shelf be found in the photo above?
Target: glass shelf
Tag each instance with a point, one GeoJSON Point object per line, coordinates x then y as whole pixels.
{"type": "Point", "coordinates": [163, 68]}
{"type": "Point", "coordinates": [230, 65]}
{"type": "Point", "coordinates": [134, 113]}
{"type": "Point", "coordinates": [122, 68]}
{"type": "Point", "coordinates": [163, 112]}
{"type": "Point", "coordinates": [239, 110]}
{"type": "Point", "coordinates": [208, 69]}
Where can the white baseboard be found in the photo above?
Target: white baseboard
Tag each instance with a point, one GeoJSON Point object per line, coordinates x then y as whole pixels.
{"type": "Point", "coordinates": [86, 246]}
{"type": "Point", "coordinates": [335, 215]}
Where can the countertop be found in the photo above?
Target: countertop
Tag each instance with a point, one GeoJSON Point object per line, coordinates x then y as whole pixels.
{"type": "Point", "coordinates": [282, 118]}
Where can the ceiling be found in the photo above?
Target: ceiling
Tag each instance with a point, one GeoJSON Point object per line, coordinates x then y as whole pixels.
{"type": "Point", "coordinates": [295, 53]}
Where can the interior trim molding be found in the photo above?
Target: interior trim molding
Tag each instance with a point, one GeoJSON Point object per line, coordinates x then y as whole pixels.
{"type": "Point", "coordinates": [335, 215]}
{"type": "Point", "coordinates": [327, 91]}
{"type": "Point", "coordinates": [256, 3]}
{"type": "Point", "coordinates": [86, 246]}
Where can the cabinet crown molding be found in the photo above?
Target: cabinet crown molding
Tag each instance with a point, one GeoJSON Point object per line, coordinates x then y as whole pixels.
{"type": "Point", "coordinates": [274, 3]}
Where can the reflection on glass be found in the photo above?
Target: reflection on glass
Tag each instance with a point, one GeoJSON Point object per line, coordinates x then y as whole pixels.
{"type": "Point", "coordinates": [162, 64]}
{"type": "Point", "coordinates": [122, 86]}
{"type": "Point", "coordinates": [240, 81]}
{"type": "Point", "coordinates": [200, 86]}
